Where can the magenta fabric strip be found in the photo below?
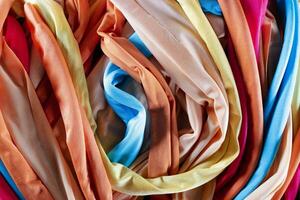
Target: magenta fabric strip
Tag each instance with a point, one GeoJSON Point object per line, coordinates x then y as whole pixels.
{"type": "Point", "coordinates": [255, 11]}
{"type": "Point", "coordinates": [6, 193]}
{"type": "Point", "coordinates": [292, 190]}
{"type": "Point", "coordinates": [232, 169]}
{"type": "Point", "coordinates": [16, 40]}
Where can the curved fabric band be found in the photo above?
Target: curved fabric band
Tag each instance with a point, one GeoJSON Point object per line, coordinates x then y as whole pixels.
{"type": "Point", "coordinates": [255, 12]}
{"type": "Point", "coordinates": [16, 40]}
{"type": "Point", "coordinates": [233, 168]}
{"type": "Point", "coordinates": [293, 188]}
{"type": "Point", "coordinates": [279, 97]}
{"type": "Point", "coordinates": [12, 159]}
{"type": "Point", "coordinates": [198, 19]}
{"type": "Point", "coordinates": [130, 110]}
{"type": "Point", "coordinates": [238, 29]}
{"type": "Point", "coordinates": [78, 136]}
{"type": "Point", "coordinates": [131, 183]}
{"type": "Point", "coordinates": [56, 20]}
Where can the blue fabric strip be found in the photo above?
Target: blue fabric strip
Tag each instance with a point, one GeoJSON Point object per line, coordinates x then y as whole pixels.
{"type": "Point", "coordinates": [211, 6]}
{"type": "Point", "coordinates": [279, 97]}
{"type": "Point", "coordinates": [130, 110]}
{"type": "Point", "coordinates": [10, 181]}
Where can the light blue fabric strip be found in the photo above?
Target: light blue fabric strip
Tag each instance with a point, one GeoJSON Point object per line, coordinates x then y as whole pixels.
{"type": "Point", "coordinates": [130, 110]}
{"type": "Point", "coordinates": [279, 97]}
{"type": "Point", "coordinates": [10, 181]}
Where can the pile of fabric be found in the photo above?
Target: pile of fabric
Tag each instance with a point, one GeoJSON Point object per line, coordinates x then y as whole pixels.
{"type": "Point", "coordinates": [144, 99]}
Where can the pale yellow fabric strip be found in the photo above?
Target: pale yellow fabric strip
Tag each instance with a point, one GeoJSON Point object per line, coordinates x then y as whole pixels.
{"type": "Point", "coordinates": [56, 20]}
{"type": "Point", "coordinates": [296, 103]}
{"type": "Point", "coordinates": [199, 20]}
{"type": "Point", "coordinates": [197, 17]}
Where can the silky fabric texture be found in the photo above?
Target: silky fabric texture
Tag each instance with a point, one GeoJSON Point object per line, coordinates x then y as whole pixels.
{"type": "Point", "coordinates": [80, 7]}
{"type": "Point", "coordinates": [155, 155]}
{"type": "Point", "coordinates": [13, 31]}
{"type": "Point", "coordinates": [5, 191]}
{"type": "Point", "coordinates": [211, 6]}
{"type": "Point", "coordinates": [137, 42]}
{"type": "Point", "coordinates": [130, 110]}
{"type": "Point", "coordinates": [218, 25]}
{"type": "Point", "coordinates": [279, 170]}
{"type": "Point", "coordinates": [140, 165]}
{"type": "Point", "coordinates": [110, 128]}
{"type": "Point", "coordinates": [206, 100]}
{"type": "Point", "coordinates": [37, 71]}
{"type": "Point", "coordinates": [267, 59]}
{"type": "Point", "coordinates": [58, 24]}
{"type": "Point", "coordinates": [38, 159]}
{"type": "Point", "coordinates": [190, 140]}
{"type": "Point", "coordinates": [183, 152]}
{"type": "Point", "coordinates": [233, 168]}
{"type": "Point", "coordinates": [106, 22]}
{"type": "Point", "coordinates": [238, 30]}
{"type": "Point", "coordinates": [293, 188]}
{"type": "Point", "coordinates": [105, 18]}
{"type": "Point", "coordinates": [280, 94]}
{"type": "Point", "coordinates": [269, 52]}
{"type": "Point", "coordinates": [79, 136]}
{"type": "Point", "coordinates": [255, 13]}
{"type": "Point", "coordinates": [170, 129]}
{"type": "Point", "coordinates": [192, 10]}
{"type": "Point", "coordinates": [295, 160]}
{"type": "Point", "coordinates": [172, 135]}
{"type": "Point", "coordinates": [10, 181]}
{"type": "Point", "coordinates": [36, 142]}
{"type": "Point", "coordinates": [77, 17]}
{"type": "Point", "coordinates": [169, 178]}
{"type": "Point", "coordinates": [18, 167]}
{"type": "Point", "coordinates": [10, 155]}
{"type": "Point", "coordinates": [27, 181]}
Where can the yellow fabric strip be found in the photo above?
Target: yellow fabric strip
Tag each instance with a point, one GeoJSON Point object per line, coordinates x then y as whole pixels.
{"type": "Point", "coordinates": [56, 20]}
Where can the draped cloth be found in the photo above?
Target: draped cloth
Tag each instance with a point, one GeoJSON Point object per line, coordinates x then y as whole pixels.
{"type": "Point", "coordinates": [279, 97]}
